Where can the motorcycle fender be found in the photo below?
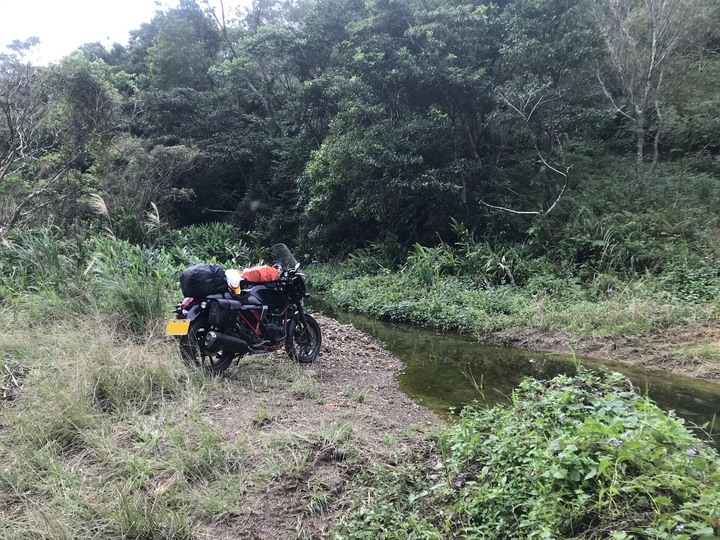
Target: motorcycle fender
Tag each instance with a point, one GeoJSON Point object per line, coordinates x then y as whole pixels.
{"type": "Point", "coordinates": [193, 312]}
{"type": "Point", "coordinates": [296, 316]}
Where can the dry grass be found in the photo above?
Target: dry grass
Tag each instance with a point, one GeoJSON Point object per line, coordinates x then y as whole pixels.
{"type": "Point", "coordinates": [92, 428]}
{"type": "Point", "coordinates": [114, 437]}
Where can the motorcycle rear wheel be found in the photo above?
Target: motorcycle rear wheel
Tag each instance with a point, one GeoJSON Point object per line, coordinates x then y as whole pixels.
{"type": "Point", "coordinates": [303, 341]}
{"type": "Point", "coordinates": [194, 353]}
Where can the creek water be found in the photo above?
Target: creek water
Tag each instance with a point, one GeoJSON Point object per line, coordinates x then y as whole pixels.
{"type": "Point", "coordinates": [440, 369]}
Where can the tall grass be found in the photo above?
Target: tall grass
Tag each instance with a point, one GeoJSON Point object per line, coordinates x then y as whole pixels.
{"type": "Point", "coordinates": [111, 437]}
{"type": "Point", "coordinates": [38, 273]}
{"type": "Point", "coordinates": [600, 289]}
{"type": "Point", "coordinates": [549, 305]}
{"type": "Point", "coordinates": [103, 437]}
{"type": "Point", "coordinates": [46, 275]}
{"type": "Point", "coordinates": [480, 262]}
{"type": "Point", "coordinates": [217, 242]}
{"type": "Point", "coordinates": [72, 460]}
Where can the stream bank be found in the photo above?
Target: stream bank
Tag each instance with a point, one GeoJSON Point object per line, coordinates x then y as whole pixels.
{"type": "Point", "coordinates": [633, 328]}
{"type": "Point", "coordinates": [692, 351]}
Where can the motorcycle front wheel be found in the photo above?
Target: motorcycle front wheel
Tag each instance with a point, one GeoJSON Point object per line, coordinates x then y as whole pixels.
{"type": "Point", "coordinates": [194, 353]}
{"type": "Point", "coordinates": [303, 340]}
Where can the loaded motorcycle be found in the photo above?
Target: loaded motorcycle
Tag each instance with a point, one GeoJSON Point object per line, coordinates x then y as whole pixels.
{"type": "Point", "coordinates": [227, 314]}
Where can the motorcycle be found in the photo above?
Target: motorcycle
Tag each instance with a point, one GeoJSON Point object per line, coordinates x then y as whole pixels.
{"type": "Point", "coordinates": [226, 315]}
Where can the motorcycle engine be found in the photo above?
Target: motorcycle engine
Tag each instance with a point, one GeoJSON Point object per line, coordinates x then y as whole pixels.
{"type": "Point", "coordinates": [244, 334]}
{"type": "Point", "coordinates": [273, 331]}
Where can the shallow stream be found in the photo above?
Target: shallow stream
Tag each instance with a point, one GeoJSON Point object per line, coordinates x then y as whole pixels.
{"type": "Point", "coordinates": [440, 368]}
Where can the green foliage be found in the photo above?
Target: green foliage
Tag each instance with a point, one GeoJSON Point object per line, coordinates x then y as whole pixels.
{"type": "Point", "coordinates": [687, 122]}
{"type": "Point", "coordinates": [546, 302]}
{"type": "Point", "coordinates": [574, 457]}
{"type": "Point", "coordinates": [632, 242]}
{"type": "Point", "coordinates": [221, 242]}
{"type": "Point", "coordinates": [39, 274]}
{"type": "Point", "coordinates": [49, 274]}
{"type": "Point", "coordinates": [446, 305]}
{"type": "Point", "coordinates": [375, 257]}
{"type": "Point", "coordinates": [331, 125]}
{"type": "Point", "coordinates": [140, 184]}
{"type": "Point", "coordinates": [359, 130]}
{"type": "Point", "coordinates": [135, 283]}
{"type": "Point", "coordinates": [184, 48]}
{"type": "Point", "coordinates": [486, 266]}
{"type": "Point", "coordinates": [53, 119]}
{"type": "Point", "coordinates": [370, 178]}
{"type": "Point", "coordinates": [130, 282]}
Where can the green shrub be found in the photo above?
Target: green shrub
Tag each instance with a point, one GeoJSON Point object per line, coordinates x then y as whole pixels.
{"type": "Point", "coordinates": [133, 284]}
{"type": "Point", "coordinates": [573, 457]}
{"type": "Point", "coordinates": [47, 274]}
{"type": "Point", "coordinates": [479, 261]}
{"type": "Point", "coordinates": [39, 260]}
{"type": "Point", "coordinates": [214, 242]}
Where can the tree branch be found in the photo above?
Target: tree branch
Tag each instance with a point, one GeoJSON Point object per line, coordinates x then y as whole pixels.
{"type": "Point", "coordinates": [511, 211]}
{"type": "Point", "coordinates": [612, 100]}
{"type": "Point", "coordinates": [533, 104]}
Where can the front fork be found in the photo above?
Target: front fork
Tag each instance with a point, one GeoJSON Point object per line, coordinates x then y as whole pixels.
{"type": "Point", "coordinates": [298, 313]}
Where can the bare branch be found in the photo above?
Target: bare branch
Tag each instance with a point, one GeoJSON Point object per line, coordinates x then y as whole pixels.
{"type": "Point", "coordinates": [526, 111]}
{"type": "Point", "coordinates": [612, 100]}
{"type": "Point", "coordinates": [223, 25]}
{"type": "Point", "coordinates": [557, 200]}
{"type": "Point", "coordinates": [511, 211]}
{"type": "Point", "coordinates": [530, 103]}
{"type": "Point", "coordinates": [641, 38]}
{"type": "Point", "coordinates": [218, 211]}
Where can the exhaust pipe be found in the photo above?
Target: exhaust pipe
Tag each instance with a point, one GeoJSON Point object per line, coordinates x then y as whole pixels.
{"type": "Point", "coordinates": [215, 341]}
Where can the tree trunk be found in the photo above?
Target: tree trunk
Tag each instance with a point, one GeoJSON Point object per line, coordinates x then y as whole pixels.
{"type": "Point", "coordinates": [547, 230]}
{"type": "Point", "coordinates": [640, 158]}
{"type": "Point", "coordinates": [656, 142]}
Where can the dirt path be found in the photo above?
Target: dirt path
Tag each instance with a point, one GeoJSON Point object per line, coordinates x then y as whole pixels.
{"type": "Point", "coordinates": [692, 350]}
{"type": "Point", "coordinates": [312, 429]}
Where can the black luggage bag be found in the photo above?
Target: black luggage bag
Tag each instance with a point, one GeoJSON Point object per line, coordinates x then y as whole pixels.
{"type": "Point", "coordinates": [202, 280]}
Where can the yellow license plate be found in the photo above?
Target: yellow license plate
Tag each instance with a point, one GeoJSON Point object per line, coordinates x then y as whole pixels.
{"type": "Point", "coordinates": [177, 327]}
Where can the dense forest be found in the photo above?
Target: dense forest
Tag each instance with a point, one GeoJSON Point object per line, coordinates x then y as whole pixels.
{"type": "Point", "coordinates": [581, 132]}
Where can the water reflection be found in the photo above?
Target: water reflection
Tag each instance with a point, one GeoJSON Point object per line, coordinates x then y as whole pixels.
{"type": "Point", "coordinates": [440, 369]}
